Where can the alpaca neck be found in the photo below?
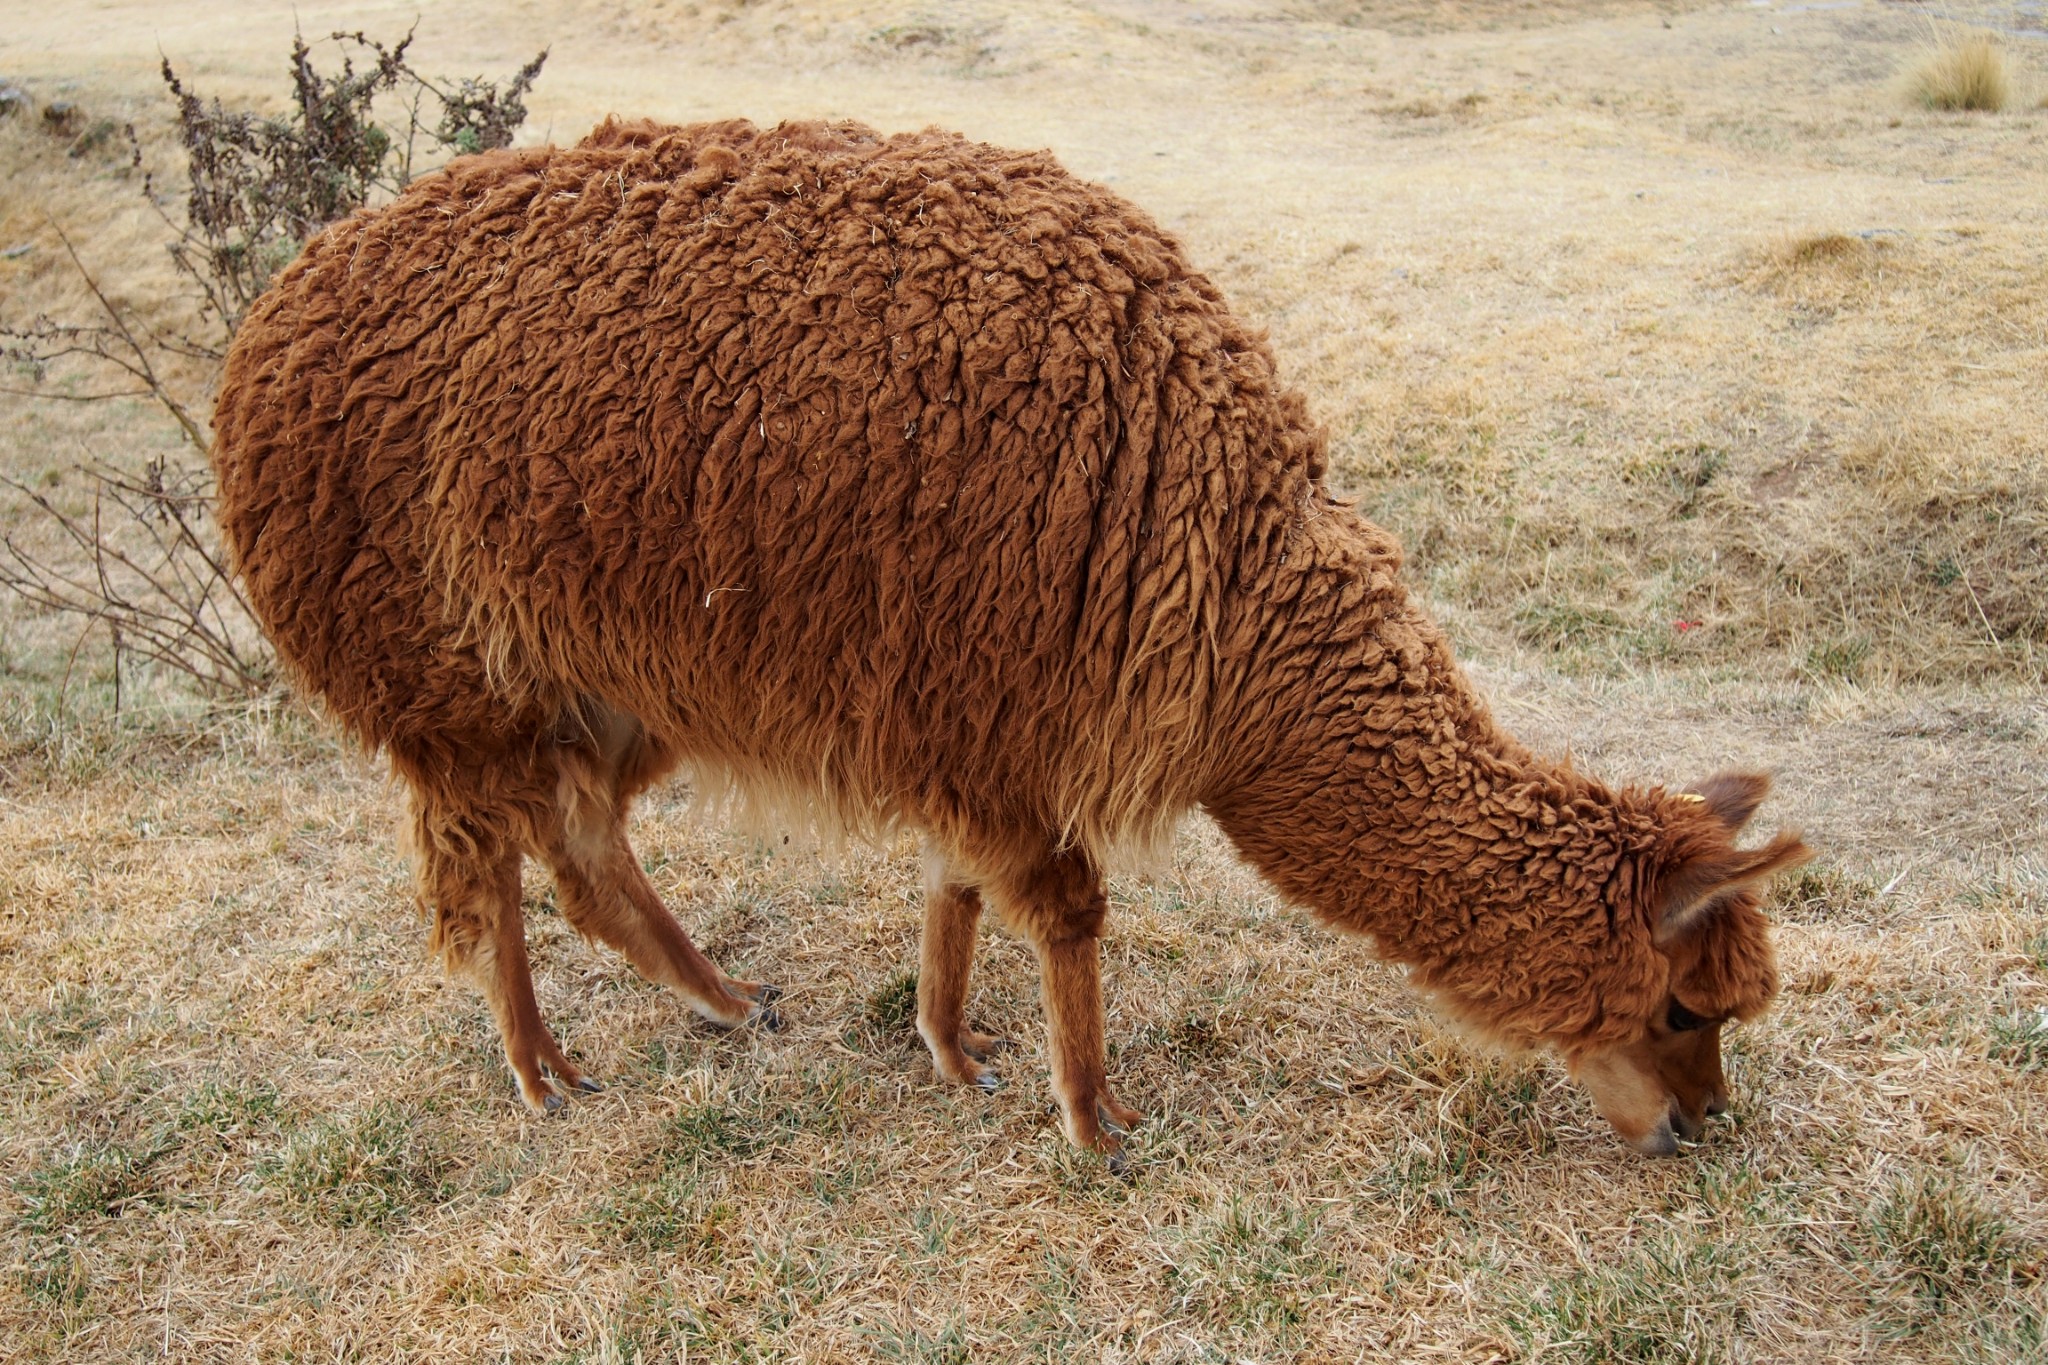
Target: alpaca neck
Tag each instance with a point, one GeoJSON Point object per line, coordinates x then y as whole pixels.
{"type": "Point", "coordinates": [1381, 795]}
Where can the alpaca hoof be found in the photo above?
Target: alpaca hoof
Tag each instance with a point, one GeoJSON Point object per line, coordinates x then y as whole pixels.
{"type": "Point", "coordinates": [589, 1086]}
{"type": "Point", "coordinates": [553, 1103]}
{"type": "Point", "coordinates": [1116, 1118]}
{"type": "Point", "coordinates": [760, 1008]}
{"type": "Point", "coordinates": [980, 1046]}
{"type": "Point", "coordinates": [988, 1081]}
{"type": "Point", "coordinates": [1119, 1162]}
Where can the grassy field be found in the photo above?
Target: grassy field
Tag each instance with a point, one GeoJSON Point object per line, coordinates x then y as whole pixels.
{"type": "Point", "coordinates": [1700, 368]}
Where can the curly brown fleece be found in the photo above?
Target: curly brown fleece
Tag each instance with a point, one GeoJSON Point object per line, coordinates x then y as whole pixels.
{"type": "Point", "coordinates": [923, 481]}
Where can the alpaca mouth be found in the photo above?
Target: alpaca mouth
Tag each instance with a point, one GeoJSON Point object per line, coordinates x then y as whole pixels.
{"type": "Point", "coordinates": [1685, 1125]}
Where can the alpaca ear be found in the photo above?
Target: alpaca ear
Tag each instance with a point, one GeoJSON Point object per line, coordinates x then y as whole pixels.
{"type": "Point", "coordinates": [1733, 797]}
{"type": "Point", "coordinates": [1695, 889]}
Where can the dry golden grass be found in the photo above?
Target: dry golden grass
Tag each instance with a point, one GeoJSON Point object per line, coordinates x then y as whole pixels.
{"type": "Point", "coordinates": [1618, 344]}
{"type": "Point", "coordinates": [1961, 71]}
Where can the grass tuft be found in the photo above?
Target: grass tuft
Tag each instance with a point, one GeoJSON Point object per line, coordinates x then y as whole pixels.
{"type": "Point", "coordinates": [1624, 1311]}
{"type": "Point", "coordinates": [91, 1180]}
{"type": "Point", "coordinates": [1832, 248]}
{"type": "Point", "coordinates": [892, 1007]}
{"type": "Point", "coordinates": [1254, 1267]}
{"type": "Point", "coordinates": [1961, 72]}
{"type": "Point", "coordinates": [1941, 1240]}
{"type": "Point", "coordinates": [370, 1169]}
{"type": "Point", "coordinates": [2021, 1041]}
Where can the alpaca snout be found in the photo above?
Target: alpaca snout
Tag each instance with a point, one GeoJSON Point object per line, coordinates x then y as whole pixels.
{"type": "Point", "coordinates": [1659, 1141]}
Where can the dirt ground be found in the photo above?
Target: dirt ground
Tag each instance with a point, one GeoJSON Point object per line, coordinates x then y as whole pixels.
{"type": "Point", "coordinates": [1702, 376]}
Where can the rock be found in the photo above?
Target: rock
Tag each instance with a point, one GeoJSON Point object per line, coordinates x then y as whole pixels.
{"type": "Point", "coordinates": [14, 100]}
{"type": "Point", "coordinates": [95, 137]}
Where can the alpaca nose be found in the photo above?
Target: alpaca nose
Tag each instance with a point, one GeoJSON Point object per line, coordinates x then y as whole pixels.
{"type": "Point", "coordinates": [1717, 1104]}
{"type": "Point", "coordinates": [1684, 1124]}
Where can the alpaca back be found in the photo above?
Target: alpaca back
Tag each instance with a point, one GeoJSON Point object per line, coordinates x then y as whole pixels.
{"type": "Point", "coordinates": [908, 473]}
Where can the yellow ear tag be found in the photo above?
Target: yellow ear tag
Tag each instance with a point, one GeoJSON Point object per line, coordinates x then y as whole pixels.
{"type": "Point", "coordinates": [1692, 798]}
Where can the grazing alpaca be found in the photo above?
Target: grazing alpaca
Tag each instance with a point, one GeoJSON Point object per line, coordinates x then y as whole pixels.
{"type": "Point", "coordinates": [929, 484]}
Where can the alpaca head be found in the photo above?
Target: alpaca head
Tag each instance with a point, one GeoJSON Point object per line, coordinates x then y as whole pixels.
{"type": "Point", "coordinates": [1702, 905]}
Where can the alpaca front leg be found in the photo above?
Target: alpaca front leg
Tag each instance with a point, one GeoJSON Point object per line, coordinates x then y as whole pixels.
{"type": "Point", "coordinates": [945, 963]}
{"type": "Point", "coordinates": [1060, 907]}
{"type": "Point", "coordinates": [1071, 985]}
{"type": "Point", "coordinates": [610, 898]}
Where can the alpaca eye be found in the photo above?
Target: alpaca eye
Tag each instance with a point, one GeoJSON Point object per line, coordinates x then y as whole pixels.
{"type": "Point", "coordinates": [1682, 1020]}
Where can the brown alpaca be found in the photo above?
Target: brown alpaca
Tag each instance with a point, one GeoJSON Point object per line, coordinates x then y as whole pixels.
{"type": "Point", "coordinates": [925, 483]}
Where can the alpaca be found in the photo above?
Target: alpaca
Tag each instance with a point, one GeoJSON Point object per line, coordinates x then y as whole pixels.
{"type": "Point", "coordinates": [925, 484]}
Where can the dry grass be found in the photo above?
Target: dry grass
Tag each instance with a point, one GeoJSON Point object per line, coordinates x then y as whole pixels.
{"type": "Point", "coordinates": [250, 1117]}
{"type": "Point", "coordinates": [1618, 346]}
{"type": "Point", "coordinates": [1961, 71]}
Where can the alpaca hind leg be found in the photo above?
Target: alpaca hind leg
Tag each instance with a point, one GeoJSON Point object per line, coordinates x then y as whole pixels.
{"type": "Point", "coordinates": [1059, 906]}
{"type": "Point", "coordinates": [607, 896]}
{"type": "Point", "coordinates": [952, 913]}
{"type": "Point", "coordinates": [472, 885]}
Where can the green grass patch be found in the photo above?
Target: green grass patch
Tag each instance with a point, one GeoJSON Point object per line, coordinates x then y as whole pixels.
{"type": "Point", "coordinates": [892, 1006]}
{"type": "Point", "coordinates": [370, 1169]}
{"type": "Point", "coordinates": [1821, 891]}
{"type": "Point", "coordinates": [1672, 1299]}
{"type": "Point", "coordinates": [946, 1345]}
{"type": "Point", "coordinates": [670, 1208]}
{"type": "Point", "coordinates": [669, 1213]}
{"type": "Point", "coordinates": [1253, 1269]}
{"type": "Point", "coordinates": [226, 1113]}
{"type": "Point", "coordinates": [34, 1040]}
{"type": "Point", "coordinates": [1841, 658]}
{"type": "Point", "coordinates": [1941, 1241]}
{"type": "Point", "coordinates": [2021, 1041]}
{"type": "Point", "coordinates": [90, 1180]}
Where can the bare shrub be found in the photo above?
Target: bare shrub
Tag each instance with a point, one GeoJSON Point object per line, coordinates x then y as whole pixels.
{"type": "Point", "coordinates": [170, 600]}
{"type": "Point", "coordinates": [146, 559]}
{"type": "Point", "coordinates": [259, 187]}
